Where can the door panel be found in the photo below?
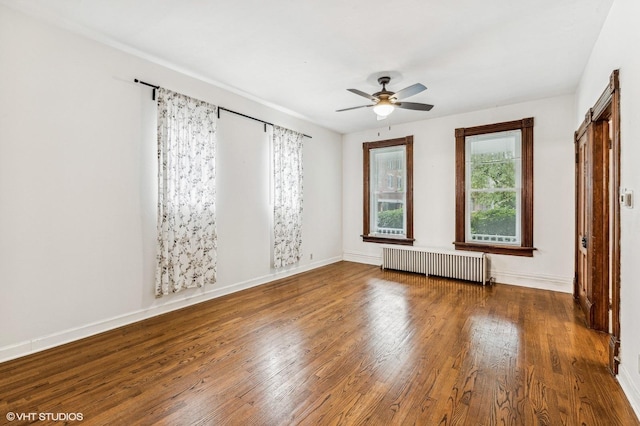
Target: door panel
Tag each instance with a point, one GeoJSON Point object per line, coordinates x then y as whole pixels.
{"type": "Point", "coordinates": [592, 224]}
{"type": "Point", "coordinates": [582, 240]}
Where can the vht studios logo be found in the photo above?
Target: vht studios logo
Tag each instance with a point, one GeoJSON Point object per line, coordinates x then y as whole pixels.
{"type": "Point", "coordinates": [52, 417]}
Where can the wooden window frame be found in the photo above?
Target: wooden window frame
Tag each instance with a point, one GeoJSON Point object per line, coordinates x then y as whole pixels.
{"type": "Point", "coordinates": [407, 141]}
{"type": "Point", "coordinates": [526, 242]}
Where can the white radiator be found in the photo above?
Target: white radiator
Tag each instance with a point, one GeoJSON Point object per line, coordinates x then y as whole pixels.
{"type": "Point", "coordinates": [462, 265]}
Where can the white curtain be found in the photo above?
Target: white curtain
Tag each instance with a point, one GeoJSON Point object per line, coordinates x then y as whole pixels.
{"type": "Point", "coordinates": [187, 237]}
{"type": "Point", "coordinates": [287, 166]}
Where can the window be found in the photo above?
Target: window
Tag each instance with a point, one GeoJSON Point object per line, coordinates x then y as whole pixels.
{"type": "Point", "coordinates": [388, 191]}
{"type": "Point", "coordinates": [494, 188]}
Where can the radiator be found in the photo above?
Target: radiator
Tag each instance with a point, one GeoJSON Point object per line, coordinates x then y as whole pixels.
{"type": "Point", "coordinates": [462, 265]}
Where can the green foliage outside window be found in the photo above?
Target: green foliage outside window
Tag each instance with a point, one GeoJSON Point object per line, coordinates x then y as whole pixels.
{"type": "Point", "coordinates": [500, 221]}
{"type": "Point", "coordinates": [494, 210]}
{"type": "Point", "coordinates": [391, 219]}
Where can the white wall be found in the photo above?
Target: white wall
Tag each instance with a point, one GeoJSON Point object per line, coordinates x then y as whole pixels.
{"type": "Point", "coordinates": [434, 190]}
{"type": "Point", "coordinates": [78, 188]}
{"type": "Point", "coordinates": [615, 48]}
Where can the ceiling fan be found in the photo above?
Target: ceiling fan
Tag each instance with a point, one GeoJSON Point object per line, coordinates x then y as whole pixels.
{"type": "Point", "coordinates": [385, 101]}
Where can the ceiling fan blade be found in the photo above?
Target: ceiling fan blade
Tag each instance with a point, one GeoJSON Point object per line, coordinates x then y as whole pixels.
{"type": "Point", "coordinates": [414, 105]}
{"type": "Point", "coordinates": [363, 94]}
{"type": "Point", "coordinates": [356, 107]}
{"type": "Point", "coordinates": [414, 89]}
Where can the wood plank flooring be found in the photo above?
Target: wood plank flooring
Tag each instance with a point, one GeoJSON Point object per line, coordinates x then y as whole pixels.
{"type": "Point", "coordinates": [343, 344]}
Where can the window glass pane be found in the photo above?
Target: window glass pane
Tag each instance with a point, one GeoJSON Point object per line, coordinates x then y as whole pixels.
{"type": "Point", "coordinates": [493, 188]}
{"type": "Point", "coordinates": [388, 195]}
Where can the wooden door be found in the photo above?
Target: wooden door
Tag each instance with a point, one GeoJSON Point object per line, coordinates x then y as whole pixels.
{"type": "Point", "coordinates": [597, 266]}
{"type": "Point", "coordinates": [591, 288]}
{"type": "Point", "coordinates": [582, 277]}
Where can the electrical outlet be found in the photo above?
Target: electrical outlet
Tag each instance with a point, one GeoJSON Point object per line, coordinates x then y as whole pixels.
{"type": "Point", "coordinates": [626, 198]}
{"type": "Point", "coordinates": [311, 256]}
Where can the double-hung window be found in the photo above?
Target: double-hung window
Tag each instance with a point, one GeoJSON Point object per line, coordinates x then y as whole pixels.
{"type": "Point", "coordinates": [388, 191]}
{"type": "Point", "coordinates": [494, 188]}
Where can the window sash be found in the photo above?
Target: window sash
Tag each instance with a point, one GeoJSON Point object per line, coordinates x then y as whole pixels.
{"type": "Point", "coordinates": [500, 149]}
{"type": "Point", "coordinates": [387, 172]}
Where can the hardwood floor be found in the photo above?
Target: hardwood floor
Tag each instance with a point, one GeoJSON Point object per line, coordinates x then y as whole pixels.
{"type": "Point", "coordinates": [343, 344]}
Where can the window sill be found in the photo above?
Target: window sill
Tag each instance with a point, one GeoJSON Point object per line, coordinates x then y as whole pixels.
{"type": "Point", "coordinates": [386, 240]}
{"type": "Point", "coordinates": [496, 249]}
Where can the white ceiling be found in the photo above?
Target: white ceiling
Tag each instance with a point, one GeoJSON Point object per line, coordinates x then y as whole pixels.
{"type": "Point", "coordinates": [301, 55]}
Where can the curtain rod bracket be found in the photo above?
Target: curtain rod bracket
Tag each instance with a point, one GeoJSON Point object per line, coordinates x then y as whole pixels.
{"type": "Point", "coordinates": [153, 94]}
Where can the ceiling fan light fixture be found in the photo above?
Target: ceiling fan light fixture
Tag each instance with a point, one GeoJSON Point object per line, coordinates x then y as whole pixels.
{"type": "Point", "coordinates": [383, 108]}
{"type": "Point", "coordinates": [385, 101]}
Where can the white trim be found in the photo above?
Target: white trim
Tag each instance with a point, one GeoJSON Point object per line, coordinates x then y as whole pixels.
{"type": "Point", "coordinates": [538, 281]}
{"type": "Point", "coordinates": [628, 387]}
{"type": "Point", "coordinates": [359, 257]}
{"type": "Point", "coordinates": [66, 336]}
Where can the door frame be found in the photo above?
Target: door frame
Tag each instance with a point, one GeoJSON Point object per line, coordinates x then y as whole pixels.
{"type": "Point", "coordinates": [608, 108]}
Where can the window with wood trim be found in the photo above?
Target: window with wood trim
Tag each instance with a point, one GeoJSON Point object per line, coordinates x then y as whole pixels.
{"type": "Point", "coordinates": [388, 191]}
{"type": "Point", "coordinates": [494, 188]}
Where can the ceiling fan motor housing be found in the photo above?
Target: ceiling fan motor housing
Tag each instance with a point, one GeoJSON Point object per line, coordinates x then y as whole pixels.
{"type": "Point", "coordinates": [384, 93]}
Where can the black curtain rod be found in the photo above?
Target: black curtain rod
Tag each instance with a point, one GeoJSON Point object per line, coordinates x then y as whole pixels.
{"type": "Point", "coordinates": [266, 123]}
{"type": "Point", "coordinates": [245, 116]}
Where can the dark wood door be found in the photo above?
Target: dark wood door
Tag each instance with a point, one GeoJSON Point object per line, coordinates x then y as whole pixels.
{"type": "Point", "coordinates": [597, 246]}
{"type": "Point", "coordinates": [592, 223]}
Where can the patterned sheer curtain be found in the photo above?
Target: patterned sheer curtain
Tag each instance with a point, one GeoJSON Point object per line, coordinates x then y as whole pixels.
{"type": "Point", "coordinates": [287, 166]}
{"type": "Point", "coordinates": [187, 237]}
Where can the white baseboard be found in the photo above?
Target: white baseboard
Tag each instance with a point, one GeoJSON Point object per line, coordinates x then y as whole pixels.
{"type": "Point", "coordinates": [358, 257]}
{"type": "Point", "coordinates": [66, 336]}
{"type": "Point", "coordinates": [539, 281]}
{"type": "Point", "coordinates": [629, 388]}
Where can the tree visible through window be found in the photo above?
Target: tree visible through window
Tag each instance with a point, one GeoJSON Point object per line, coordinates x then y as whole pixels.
{"type": "Point", "coordinates": [493, 164]}
{"type": "Point", "coordinates": [494, 188]}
